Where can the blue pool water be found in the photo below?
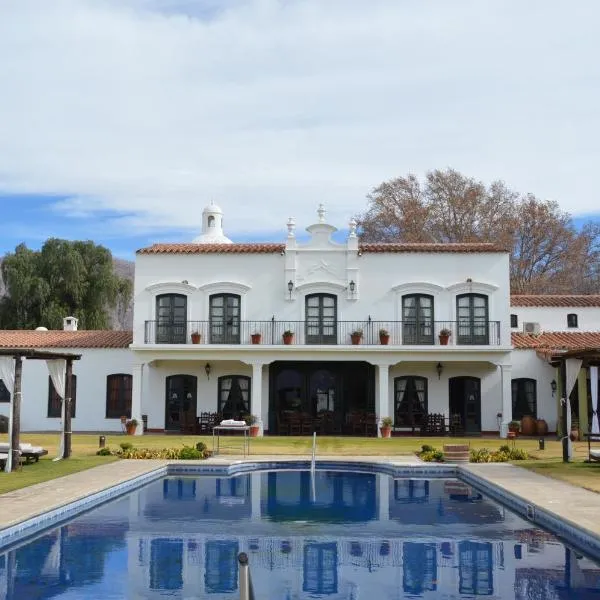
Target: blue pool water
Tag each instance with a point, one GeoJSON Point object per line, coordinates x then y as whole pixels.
{"type": "Point", "coordinates": [337, 535]}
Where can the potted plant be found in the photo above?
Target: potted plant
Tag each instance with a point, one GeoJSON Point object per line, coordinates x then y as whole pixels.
{"type": "Point", "coordinates": [513, 428]}
{"type": "Point", "coordinates": [196, 337]}
{"type": "Point", "coordinates": [356, 336]}
{"type": "Point", "coordinates": [252, 422]}
{"type": "Point", "coordinates": [288, 337]}
{"type": "Point", "coordinates": [131, 426]}
{"type": "Point", "coordinates": [256, 337]}
{"type": "Point", "coordinates": [444, 336]}
{"type": "Point", "coordinates": [384, 337]}
{"type": "Point", "coordinates": [386, 427]}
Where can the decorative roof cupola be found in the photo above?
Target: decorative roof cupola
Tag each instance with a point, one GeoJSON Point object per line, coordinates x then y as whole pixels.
{"type": "Point", "coordinates": [212, 226]}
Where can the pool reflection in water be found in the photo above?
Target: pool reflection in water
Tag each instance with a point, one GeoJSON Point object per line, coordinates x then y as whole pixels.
{"type": "Point", "coordinates": [341, 535]}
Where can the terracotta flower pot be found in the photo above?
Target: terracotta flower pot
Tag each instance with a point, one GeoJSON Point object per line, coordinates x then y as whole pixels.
{"type": "Point", "coordinates": [355, 338]}
{"type": "Point", "coordinates": [131, 429]}
{"type": "Point", "coordinates": [528, 425]}
{"type": "Point", "coordinates": [288, 339]}
{"type": "Point", "coordinates": [384, 339]}
{"type": "Point", "coordinates": [541, 427]}
{"type": "Point", "coordinates": [256, 337]}
{"type": "Point", "coordinates": [386, 432]}
{"type": "Point", "coordinates": [254, 429]}
{"type": "Point", "coordinates": [196, 338]}
{"type": "Point", "coordinates": [443, 339]}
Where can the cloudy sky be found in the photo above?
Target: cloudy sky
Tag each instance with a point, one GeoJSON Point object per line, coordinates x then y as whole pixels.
{"type": "Point", "coordinates": [121, 119]}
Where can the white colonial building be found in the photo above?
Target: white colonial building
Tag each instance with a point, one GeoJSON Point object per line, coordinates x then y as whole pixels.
{"type": "Point", "coordinates": [318, 335]}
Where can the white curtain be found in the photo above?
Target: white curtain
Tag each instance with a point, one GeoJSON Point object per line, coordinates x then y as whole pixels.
{"type": "Point", "coordinates": [573, 366]}
{"type": "Point", "coordinates": [7, 374]}
{"type": "Point", "coordinates": [594, 387]}
{"type": "Point", "coordinates": [57, 369]}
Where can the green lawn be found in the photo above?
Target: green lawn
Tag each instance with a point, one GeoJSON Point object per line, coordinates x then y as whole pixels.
{"type": "Point", "coordinates": [85, 446]}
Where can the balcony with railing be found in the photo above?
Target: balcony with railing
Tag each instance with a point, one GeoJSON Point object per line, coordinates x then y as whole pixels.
{"type": "Point", "coordinates": [472, 332]}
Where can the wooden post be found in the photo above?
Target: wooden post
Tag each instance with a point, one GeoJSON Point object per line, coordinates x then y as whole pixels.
{"type": "Point", "coordinates": [563, 388]}
{"type": "Point", "coordinates": [16, 417]}
{"type": "Point", "coordinates": [67, 421]}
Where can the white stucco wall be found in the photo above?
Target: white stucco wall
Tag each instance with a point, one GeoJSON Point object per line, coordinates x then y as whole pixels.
{"type": "Point", "coordinates": [91, 370]}
{"type": "Point", "coordinates": [553, 318]}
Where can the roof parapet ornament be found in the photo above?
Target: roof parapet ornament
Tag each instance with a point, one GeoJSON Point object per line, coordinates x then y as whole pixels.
{"type": "Point", "coordinates": [352, 224]}
{"type": "Point", "coordinates": [291, 227]}
{"type": "Point", "coordinates": [321, 213]}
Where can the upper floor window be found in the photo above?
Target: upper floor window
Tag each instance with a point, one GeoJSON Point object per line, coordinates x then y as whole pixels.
{"type": "Point", "coordinates": [417, 319]}
{"type": "Point", "coordinates": [524, 398]}
{"type": "Point", "coordinates": [118, 396]}
{"type": "Point", "coordinates": [234, 396]}
{"type": "Point", "coordinates": [472, 319]}
{"type": "Point", "coordinates": [171, 319]}
{"type": "Point", "coordinates": [321, 319]}
{"type": "Point", "coordinates": [514, 321]}
{"type": "Point", "coordinates": [224, 316]}
{"type": "Point", "coordinates": [572, 320]}
{"type": "Point", "coordinates": [55, 401]}
{"type": "Point", "coordinates": [4, 393]}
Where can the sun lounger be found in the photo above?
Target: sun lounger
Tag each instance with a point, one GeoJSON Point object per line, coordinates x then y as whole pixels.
{"type": "Point", "coordinates": [28, 452]}
{"type": "Point", "coordinates": [593, 453]}
{"type": "Point", "coordinates": [3, 459]}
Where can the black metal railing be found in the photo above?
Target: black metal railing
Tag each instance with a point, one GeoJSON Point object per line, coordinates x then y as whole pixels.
{"type": "Point", "coordinates": [314, 332]}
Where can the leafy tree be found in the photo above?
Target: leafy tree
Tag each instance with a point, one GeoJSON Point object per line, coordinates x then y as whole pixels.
{"type": "Point", "coordinates": [548, 255]}
{"type": "Point", "coordinates": [62, 278]}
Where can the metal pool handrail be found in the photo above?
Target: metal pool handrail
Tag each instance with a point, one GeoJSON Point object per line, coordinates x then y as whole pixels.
{"type": "Point", "coordinates": [246, 589]}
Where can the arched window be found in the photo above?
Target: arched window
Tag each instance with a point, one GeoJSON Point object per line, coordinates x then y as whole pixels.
{"type": "Point", "coordinates": [417, 319]}
{"type": "Point", "coordinates": [410, 401]}
{"type": "Point", "coordinates": [224, 318]}
{"type": "Point", "coordinates": [118, 396]}
{"type": "Point", "coordinates": [4, 393]}
{"type": "Point", "coordinates": [572, 320]}
{"type": "Point", "coordinates": [524, 398]}
{"type": "Point", "coordinates": [472, 319]}
{"type": "Point", "coordinates": [321, 319]}
{"type": "Point", "coordinates": [234, 396]}
{"type": "Point", "coordinates": [55, 402]}
{"type": "Point", "coordinates": [171, 319]}
{"type": "Point", "coordinates": [211, 221]}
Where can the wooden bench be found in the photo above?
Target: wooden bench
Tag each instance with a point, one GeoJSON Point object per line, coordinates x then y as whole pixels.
{"type": "Point", "coordinates": [592, 454]}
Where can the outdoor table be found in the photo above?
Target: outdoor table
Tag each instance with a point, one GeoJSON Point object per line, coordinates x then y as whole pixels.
{"type": "Point", "coordinates": [217, 429]}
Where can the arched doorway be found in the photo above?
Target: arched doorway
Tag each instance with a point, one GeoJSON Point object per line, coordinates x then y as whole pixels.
{"type": "Point", "coordinates": [465, 401]}
{"type": "Point", "coordinates": [180, 402]}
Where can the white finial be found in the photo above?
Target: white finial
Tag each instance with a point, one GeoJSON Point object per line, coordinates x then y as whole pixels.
{"type": "Point", "coordinates": [321, 213]}
{"type": "Point", "coordinates": [291, 226]}
{"type": "Point", "coordinates": [352, 225]}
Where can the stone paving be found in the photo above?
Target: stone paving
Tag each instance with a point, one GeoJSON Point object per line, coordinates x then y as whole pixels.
{"type": "Point", "coordinates": [573, 504]}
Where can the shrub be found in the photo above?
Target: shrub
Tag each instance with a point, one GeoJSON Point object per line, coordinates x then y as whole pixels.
{"type": "Point", "coordinates": [104, 452]}
{"type": "Point", "coordinates": [201, 446]}
{"type": "Point", "coordinates": [189, 453]}
{"type": "Point", "coordinates": [432, 456]}
{"type": "Point", "coordinates": [503, 454]}
{"type": "Point", "coordinates": [126, 445]}
{"type": "Point", "coordinates": [150, 453]}
{"type": "Point", "coordinates": [427, 448]}
{"type": "Point", "coordinates": [504, 448]}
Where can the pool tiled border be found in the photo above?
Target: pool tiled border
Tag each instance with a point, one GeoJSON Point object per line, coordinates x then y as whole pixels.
{"type": "Point", "coordinates": [572, 534]}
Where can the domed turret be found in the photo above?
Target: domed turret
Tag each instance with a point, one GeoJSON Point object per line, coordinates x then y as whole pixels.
{"type": "Point", "coordinates": [212, 226]}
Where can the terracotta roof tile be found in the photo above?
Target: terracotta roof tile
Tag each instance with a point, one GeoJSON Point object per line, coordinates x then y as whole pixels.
{"type": "Point", "coordinates": [275, 248]}
{"type": "Point", "coordinates": [11, 338]}
{"type": "Point", "coordinates": [555, 300]}
{"type": "Point", "coordinates": [263, 248]}
{"type": "Point", "coordinates": [557, 340]}
{"type": "Point", "coordinates": [443, 248]}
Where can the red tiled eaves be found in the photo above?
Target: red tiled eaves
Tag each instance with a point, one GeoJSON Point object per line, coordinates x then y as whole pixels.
{"type": "Point", "coordinates": [556, 300]}
{"type": "Point", "coordinates": [431, 248]}
{"type": "Point", "coordinates": [557, 340]}
{"type": "Point", "coordinates": [11, 338]}
{"type": "Point", "coordinates": [272, 248]}
{"type": "Point", "coordinates": [213, 249]}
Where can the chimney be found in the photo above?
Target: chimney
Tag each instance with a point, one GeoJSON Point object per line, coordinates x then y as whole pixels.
{"type": "Point", "coordinates": [70, 324]}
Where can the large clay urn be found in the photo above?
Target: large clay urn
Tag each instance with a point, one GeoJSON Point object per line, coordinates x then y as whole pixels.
{"type": "Point", "coordinates": [528, 425]}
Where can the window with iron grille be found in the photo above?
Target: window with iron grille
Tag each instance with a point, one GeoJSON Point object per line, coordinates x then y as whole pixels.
{"type": "Point", "coordinates": [572, 320]}
{"type": "Point", "coordinates": [514, 321]}
{"type": "Point", "coordinates": [524, 398]}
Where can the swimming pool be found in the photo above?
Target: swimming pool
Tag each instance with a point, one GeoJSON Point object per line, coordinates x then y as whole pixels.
{"type": "Point", "coordinates": [336, 534]}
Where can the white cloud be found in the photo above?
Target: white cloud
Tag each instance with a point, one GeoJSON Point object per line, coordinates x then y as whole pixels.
{"type": "Point", "coordinates": [152, 108]}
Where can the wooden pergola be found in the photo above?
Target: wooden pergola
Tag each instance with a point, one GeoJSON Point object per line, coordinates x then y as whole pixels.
{"type": "Point", "coordinates": [15, 425]}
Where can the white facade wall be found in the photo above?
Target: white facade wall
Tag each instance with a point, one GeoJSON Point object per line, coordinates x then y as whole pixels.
{"type": "Point", "coordinates": [91, 371]}
{"type": "Point", "coordinates": [554, 318]}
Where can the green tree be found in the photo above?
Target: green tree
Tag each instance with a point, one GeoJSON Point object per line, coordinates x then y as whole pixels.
{"type": "Point", "coordinates": [62, 278]}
